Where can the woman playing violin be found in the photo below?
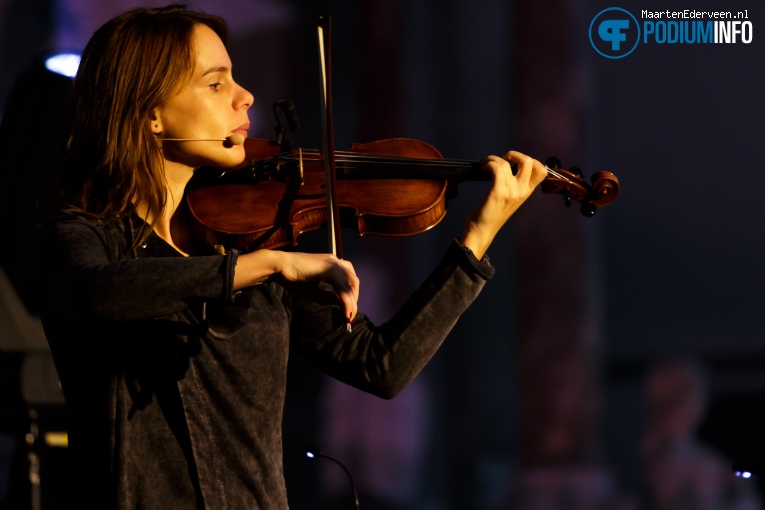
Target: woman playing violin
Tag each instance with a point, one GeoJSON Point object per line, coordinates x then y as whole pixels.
{"type": "Point", "coordinates": [172, 359]}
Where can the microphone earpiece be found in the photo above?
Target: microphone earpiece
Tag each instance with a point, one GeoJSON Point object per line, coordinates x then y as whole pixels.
{"type": "Point", "coordinates": [235, 139]}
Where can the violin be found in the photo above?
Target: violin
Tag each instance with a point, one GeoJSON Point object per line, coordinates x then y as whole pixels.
{"type": "Point", "coordinates": [393, 187]}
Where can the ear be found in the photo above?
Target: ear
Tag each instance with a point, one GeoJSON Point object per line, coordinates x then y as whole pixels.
{"type": "Point", "coordinates": [155, 124]}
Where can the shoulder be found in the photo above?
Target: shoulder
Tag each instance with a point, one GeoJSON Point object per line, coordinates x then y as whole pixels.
{"type": "Point", "coordinates": [66, 223]}
{"type": "Point", "coordinates": [79, 231]}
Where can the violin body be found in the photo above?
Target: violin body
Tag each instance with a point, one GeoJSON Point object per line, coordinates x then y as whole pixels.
{"type": "Point", "coordinates": [393, 187]}
{"type": "Point", "coordinates": [269, 206]}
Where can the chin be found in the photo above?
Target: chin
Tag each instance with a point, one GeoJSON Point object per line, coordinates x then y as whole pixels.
{"type": "Point", "coordinates": [228, 158]}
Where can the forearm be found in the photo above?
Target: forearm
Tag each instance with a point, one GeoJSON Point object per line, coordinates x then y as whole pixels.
{"type": "Point", "coordinates": [256, 267]}
{"type": "Point", "coordinates": [384, 359]}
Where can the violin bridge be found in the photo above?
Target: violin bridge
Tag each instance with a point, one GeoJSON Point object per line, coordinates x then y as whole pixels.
{"type": "Point", "coordinates": [300, 165]}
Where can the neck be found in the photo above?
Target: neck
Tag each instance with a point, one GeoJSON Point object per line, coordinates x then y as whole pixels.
{"type": "Point", "coordinates": [173, 224]}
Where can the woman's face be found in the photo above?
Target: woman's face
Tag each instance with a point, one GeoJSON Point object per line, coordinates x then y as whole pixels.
{"type": "Point", "coordinates": [209, 106]}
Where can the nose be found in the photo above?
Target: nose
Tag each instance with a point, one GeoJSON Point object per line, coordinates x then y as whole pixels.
{"type": "Point", "coordinates": [243, 98]}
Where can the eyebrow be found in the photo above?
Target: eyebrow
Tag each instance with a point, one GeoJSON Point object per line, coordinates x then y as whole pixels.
{"type": "Point", "coordinates": [219, 69]}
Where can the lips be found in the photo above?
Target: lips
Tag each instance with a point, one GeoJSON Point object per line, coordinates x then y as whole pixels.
{"type": "Point", "coordinates": [243, 129]}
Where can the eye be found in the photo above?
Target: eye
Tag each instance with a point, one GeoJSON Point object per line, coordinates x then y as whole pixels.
{"type": "Point", "coordinates": [215, 85]}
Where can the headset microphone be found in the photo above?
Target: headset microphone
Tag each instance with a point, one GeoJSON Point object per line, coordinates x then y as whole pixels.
{"type": "Point", "coordinates": [235, 139]}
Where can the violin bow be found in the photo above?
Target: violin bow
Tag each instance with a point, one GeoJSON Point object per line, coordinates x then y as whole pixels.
{"type": "Point", "coordinates": [333, 213]}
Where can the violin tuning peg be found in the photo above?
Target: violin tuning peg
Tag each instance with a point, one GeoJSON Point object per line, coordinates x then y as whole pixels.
{"type": "Point", "coordinates": [588, 209]}
{"type": "Point", "coordinates": [553, 162]}
{"type": "Point", "coordinates": [567, 200]}
{"type": "Point", "coordinates": [577, 171]}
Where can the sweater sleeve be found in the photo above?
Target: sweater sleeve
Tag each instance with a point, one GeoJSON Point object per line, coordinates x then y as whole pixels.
{"type": "Point", "coordinates": [384, 359]}
{"type": "Point", "coordinates": [91, 272]}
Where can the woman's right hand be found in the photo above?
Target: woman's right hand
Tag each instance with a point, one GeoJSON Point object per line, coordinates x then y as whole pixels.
{"type": "Point", "coordinates": [320, 274]}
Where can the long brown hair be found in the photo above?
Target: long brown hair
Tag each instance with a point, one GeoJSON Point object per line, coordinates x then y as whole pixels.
{"type": "Point", "coordinates": [134, 63]}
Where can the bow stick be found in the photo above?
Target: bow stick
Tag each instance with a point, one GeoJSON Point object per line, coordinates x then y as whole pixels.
{"type": "Point", "coordinates": [333, 214]}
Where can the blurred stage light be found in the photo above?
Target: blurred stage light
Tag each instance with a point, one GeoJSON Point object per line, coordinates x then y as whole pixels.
{"type": "Point", "coordinates": [65, 64]}
{"type": "Point", "coordinates": [745, 469]}
{"type": "Point", "coordinates": [313, 452]}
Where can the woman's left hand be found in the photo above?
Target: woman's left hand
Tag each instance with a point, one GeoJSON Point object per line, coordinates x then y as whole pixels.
{"type": "Point", "coordinates": [506, 195]}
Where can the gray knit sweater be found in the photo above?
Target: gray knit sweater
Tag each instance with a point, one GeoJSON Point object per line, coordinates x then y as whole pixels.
{"type": "Point", "coordinates": [175, 383]}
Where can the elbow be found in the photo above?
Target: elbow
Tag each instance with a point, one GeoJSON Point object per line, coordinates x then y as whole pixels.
{"type": "Point", "coordinates": [391, 387]}
{"type": "Point", "coordinates": [389, 393]}
{"type": "Point", "coordinates": [389, 377]}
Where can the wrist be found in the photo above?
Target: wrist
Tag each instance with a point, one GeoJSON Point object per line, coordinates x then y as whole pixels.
{"type": "Point", "coordinates": [256, 267]}
{"type": "Point", "coordinates": [476, 242]}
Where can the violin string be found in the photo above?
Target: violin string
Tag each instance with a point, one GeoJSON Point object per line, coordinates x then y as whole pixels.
{"type": "Point", "coordinates": [348, 157]}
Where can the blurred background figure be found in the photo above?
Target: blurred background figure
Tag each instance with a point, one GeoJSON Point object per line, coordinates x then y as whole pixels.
{"type": "Point", "coordinates": [679, 471]}
{"type": "Point", "coordinates": [564, 466]}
